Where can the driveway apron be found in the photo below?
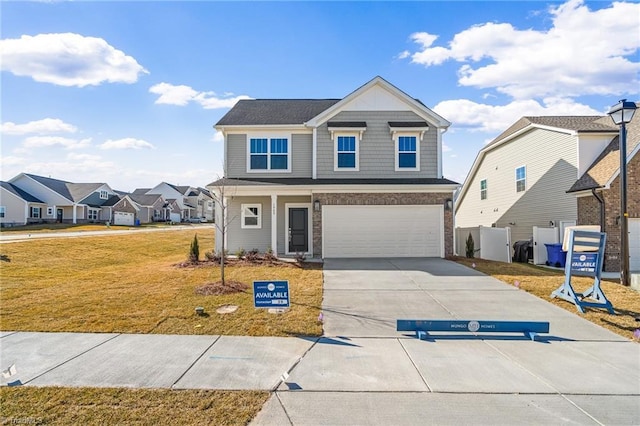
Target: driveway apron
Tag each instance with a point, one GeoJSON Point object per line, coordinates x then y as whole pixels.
{"type": "Point", "coordinates": [365, 372]}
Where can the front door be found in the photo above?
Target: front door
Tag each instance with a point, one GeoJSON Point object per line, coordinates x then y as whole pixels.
{"type": "Point", "coordinates": [59, 215]}
{"type": "Point", "coordinates": [298, 230]}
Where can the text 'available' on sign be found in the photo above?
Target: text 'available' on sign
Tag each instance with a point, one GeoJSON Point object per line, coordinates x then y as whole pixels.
{"type": "Point", "coordinates": [271, 294]}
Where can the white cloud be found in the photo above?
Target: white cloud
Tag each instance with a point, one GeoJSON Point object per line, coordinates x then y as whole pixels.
{"type": "Point", "coordinates": [584, 52]}
{"type": "Point", "coordinates": [182, 95]}
{"type": "Point", "coordinates": [126, 143]}
{"type": "Point", "coordinates": [496, 118]}
{"type": "Point", "coordinates": [49, 141]}
{"type": "Point", "coordinates": [446, 148]}
{"type": "Point", "coordinates": [46, 125]}
{"type": "Point", "coordinates": [218, 137]}
{"type": "Point", "coordinates": [68, 59]}
{"type": "Point", "coordinates": [10, 160]}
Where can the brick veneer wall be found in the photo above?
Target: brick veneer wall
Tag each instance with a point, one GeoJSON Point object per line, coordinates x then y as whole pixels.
{"type": "Point", "coordinates": [384, 199]}
{"type": "Point", "coordinates": [589, 212]}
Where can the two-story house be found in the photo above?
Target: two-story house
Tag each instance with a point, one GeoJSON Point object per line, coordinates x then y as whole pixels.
{"type": "Point", "coordinates": [354, 177]}
{"type": "Point", "coordinates": [179, 194]}
{"type": "Point", "coordinates": [555, 171]}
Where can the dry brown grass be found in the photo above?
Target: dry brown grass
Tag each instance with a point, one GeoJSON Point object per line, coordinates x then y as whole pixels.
{"type": "Point", "coordinates": [102, 406]}
{"type": "Point", "coordinates": [131, 284]}
{"type": "Point", "coordinates": [542, 281]}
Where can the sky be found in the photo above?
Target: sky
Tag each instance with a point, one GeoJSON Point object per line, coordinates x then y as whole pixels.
{"type": "Point", "coordinates": [127, 93]}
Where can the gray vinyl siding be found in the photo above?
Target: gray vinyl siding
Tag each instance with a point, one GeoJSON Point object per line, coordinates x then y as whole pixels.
{"type": "Point", "coordinates": [550, 159]}
{"type": "Point", "coordinates": [248, 239]}
{"type": "Point", "coordinates": [300, 149]}
{"type": "Point", "coordinates": [377, 148]}
{"type": "Point", "coordinates": [282, 235]}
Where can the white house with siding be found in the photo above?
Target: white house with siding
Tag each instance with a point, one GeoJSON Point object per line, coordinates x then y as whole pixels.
{"type": "Point", "coordinates": [520, 179]}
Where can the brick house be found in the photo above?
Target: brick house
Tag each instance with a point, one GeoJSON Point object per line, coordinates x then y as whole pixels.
{"type": "Point", "coordinates": [359, 176]}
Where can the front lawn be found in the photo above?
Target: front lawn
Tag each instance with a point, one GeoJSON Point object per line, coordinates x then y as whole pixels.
{"type": "Point", "coordinates": [132, 284]}
{"type": "Point", "coordinates": [542, 281]}
{"type": "Point", "coordinates": [106, 406]}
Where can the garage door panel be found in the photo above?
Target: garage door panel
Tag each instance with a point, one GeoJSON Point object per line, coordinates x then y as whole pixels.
{"type": "Point", "coordinates": [122, 218]}
{"type": "Point", "coordinates": [382, 231]}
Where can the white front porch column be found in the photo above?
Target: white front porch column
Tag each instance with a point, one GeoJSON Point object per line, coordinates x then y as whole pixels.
{"type": "Point", "coordinates": [274, 224]}
{"type": "Point", "coordinates": [75, 213]}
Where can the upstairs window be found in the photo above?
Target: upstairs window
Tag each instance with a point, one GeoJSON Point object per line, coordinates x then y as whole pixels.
{"type": "Point", "coordinates": [251, 216]}
{"type": "Point", "coordinates": [104, 195]}
{"type": "Point", "coordinates": [407, 153]}
{"type": "Point", "coordinates": [483, 189]}
{"type": "Point", "coordinates": [521, 179]}
{"type": "Point", "coordinates": [269, 154]}
{"type": "Point", "coordinates": [346, 153]}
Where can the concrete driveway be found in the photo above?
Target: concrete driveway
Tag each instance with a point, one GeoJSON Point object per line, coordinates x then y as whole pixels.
{"type": "Point", "coordinates": [364, 372]}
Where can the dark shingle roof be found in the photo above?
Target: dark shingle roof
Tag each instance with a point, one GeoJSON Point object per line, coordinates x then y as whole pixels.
{"type": "Point", "coordinates": [309, 181]}
{"type": "Point", "coordinates": [20, 193]}
{"type": "Point", "coordinates": [584, 123]}
{"type": "Point", "coordinates": [252, 112]}
{"type": "Point", "coordinates": [144, 199]}
{"type": "Point", "coordinates": [141, 191]}
{"type": "Point", "coordinates": [408, 124]}
{"type": "Point", "coordinates": [71, 191]}
{"type": "Point", "coordinates": [347, 124]}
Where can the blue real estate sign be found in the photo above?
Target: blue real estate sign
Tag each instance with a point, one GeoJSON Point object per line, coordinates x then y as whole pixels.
{"type": "Point", "coordinates": [584, 262]}
{"type": "Point", "coordinates": [271, 294]}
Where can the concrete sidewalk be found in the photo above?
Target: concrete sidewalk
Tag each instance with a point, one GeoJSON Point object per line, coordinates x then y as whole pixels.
{"type": "Point", "coordinates": [363, 371]}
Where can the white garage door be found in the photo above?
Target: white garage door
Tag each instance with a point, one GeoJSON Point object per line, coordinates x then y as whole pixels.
{"type": "Point", "coordinates": [122, 218]}
{"type": "Point", "coordinates": [634, 244]}
{"type": "Point", "coordinates": [382, 231]}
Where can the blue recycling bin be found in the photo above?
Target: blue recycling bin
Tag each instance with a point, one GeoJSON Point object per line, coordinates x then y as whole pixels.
{"type": "Point", "coordinates": [555, 256]}
{"type": "Point", "coordinates": [137, 222]}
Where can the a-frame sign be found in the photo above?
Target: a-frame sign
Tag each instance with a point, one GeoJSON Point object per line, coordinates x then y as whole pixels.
{"type": "Point", "coordinates": [585, 256]}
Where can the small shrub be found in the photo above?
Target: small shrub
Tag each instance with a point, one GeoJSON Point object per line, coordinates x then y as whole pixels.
{"type": "Point", "coordinates": [211, 256]}
{"type": "Point", "coordinates": [194, 250]}
{"type": "Point", "coordinates": [253, 255]}
{"type": "Point", "coordinates": [269, 256]}
{"type": "Point", "coordinates": [240, 253]}
{"type": "Point", "coordinates": [470, 247]}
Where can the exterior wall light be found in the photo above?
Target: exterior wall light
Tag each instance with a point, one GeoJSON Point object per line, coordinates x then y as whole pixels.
{"type": "Point", "coordinates": [316, 205]}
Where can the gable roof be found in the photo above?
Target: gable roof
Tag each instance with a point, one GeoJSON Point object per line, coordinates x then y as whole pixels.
{"type": "Point", "coordinates": [299, 112]}
{"type": "Point", "coordinates": [606, 166]}
{"type": "Point", "coordinates": [71, 191]}
{"type": "Point", "coordinates": [255, 112]}
{"type": "Point", "coordinates": [568, 123]}
{"type": "Point", "coordinates": [415, 104]}
{"type": "Point", "coordinates": [145, 199]}
{"type": "Point", "coordinates": [20, 193]}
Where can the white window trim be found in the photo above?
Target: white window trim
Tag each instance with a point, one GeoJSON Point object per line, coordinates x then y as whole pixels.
{"type": "Point", "coordinates": [515, 173]}
{"type": "Point", "coordinates": [335, 135]}
{"type": "Point", "coordinates": [49, 211]}
{"type": "Point", "coordinates": [92, 210]}
{"type": "Point", "coordinates": [268, 137]}
{"type": "Point", "coordinates": [243, 208]}
{"type": "Point", "coordinates": [486, 189]}
{"type": "Point", "coordinates": [104, 195]}
{"type": "Point", "coordinates": [396, 139]}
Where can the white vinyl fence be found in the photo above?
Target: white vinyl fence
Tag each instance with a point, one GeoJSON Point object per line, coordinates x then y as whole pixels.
{"type": "Point", "coordinates": [489, 243]}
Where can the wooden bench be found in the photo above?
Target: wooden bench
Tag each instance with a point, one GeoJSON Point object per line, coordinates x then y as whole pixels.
{"type": "Point", "coordinates": [422, 327]}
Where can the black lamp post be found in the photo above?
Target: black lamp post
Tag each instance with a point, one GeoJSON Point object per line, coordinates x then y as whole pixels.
{"type": "Point", "coordinates": [621, 114]}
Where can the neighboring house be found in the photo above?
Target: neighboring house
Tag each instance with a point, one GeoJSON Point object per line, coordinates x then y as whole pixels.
{"type": "Point", "coordinates": [354, 177]}
{"type": "Point", "coordinates": [18, 207]}
{"type": "Point", "coordinates": [134, 209]}
{"type": "Point", "coordinates": [65, 201]}
{"type": "Point", "coordinates": [598, 196]}
{"type": "Point", "coordinates": [203, 201]}
{"type": "Point", "coordinates": [180, 194]}
{"type": "Point", "coordinates": [521, 179]}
